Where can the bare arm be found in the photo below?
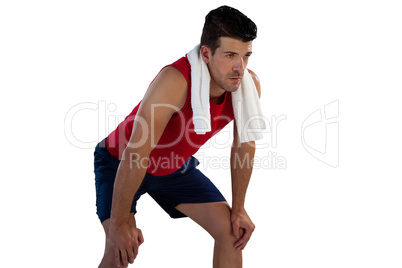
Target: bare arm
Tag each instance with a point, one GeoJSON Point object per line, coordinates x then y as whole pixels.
{"type": "Point", "coordinates": [242, 155]}
{"type": "Point", "coordinates": [241, 166]}
{"type": "Point", "coordinates": [169, 89]}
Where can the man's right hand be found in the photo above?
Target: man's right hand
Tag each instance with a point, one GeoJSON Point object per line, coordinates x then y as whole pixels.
{"type": "Point", "coordinates": [166, 95]}
{"type": "Point", "coordinates": [125, 240]}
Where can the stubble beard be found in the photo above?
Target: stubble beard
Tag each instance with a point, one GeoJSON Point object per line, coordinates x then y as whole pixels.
{"type": "Point", "coordinates": [226, 83]}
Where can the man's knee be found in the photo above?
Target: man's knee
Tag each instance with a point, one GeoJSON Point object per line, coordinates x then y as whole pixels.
{"type": "Point", "coordinates": [224, 235]}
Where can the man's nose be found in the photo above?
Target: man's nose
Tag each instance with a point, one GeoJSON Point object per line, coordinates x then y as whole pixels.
{"type": "Point", "coordinates": [239, 65]}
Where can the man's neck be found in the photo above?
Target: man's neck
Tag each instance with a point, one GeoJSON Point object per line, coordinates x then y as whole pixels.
{"type": "Point", "coordinates": [216, 93]}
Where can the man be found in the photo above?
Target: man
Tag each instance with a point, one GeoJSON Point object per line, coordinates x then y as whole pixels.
{"type": "Point", "coordinates": [151, 151]}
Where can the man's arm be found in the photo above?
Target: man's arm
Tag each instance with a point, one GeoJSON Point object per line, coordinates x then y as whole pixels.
{"type": "Point", "coordinates": [241, 166]}
{"type": "Point", "coordinates": [168, 91]}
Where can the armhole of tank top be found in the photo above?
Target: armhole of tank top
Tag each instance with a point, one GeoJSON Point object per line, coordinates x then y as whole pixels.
{"type": "Point", "coordinates": [188, 100]}
{"type": "Point", "coordinates": [188, 96]}
{"type": "Point", "coordinates": [187, 103]}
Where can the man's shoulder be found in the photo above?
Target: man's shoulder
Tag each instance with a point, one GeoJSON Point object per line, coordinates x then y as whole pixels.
{"type": "Point", "coordinates": [182, 62]}
{"type": "Point", "coordinates": [182, 65]}
{"type": "Point", "coordinates": [256, 81]}
{"type": "Point", "coordinates": [169, 87]}
{"type": "Point", "coordinates": [174, 76]}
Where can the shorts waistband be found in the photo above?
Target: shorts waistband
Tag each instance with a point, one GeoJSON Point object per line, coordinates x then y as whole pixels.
{"type": "Point", "coordinates": [102, 144]}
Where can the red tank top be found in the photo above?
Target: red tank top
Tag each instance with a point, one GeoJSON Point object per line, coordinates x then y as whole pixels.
{"type": "Point", "coordinates": [178, 141]}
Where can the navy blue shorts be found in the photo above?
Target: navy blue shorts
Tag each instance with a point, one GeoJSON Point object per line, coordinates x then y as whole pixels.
{"type": "Point", "coordinates": [186, 185]}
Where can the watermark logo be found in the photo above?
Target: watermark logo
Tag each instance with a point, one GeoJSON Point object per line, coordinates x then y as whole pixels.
{"type": "Point", "coordinates": [102, 113]}
{"type": "Point", "coordinates": [320, 134]}
{"type": "Point", "coordinates": [83, 117]}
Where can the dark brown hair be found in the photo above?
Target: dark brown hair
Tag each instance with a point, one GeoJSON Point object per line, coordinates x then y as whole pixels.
{"type": "Point", "coordinates": [226, 21]}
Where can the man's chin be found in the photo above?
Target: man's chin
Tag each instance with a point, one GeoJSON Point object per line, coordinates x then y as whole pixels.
{"type": "Point", "coordinates": [232, 88]}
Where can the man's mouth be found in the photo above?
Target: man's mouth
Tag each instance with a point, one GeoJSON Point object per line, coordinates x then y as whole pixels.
{"type": "Point", "coordinates": [235, 79]}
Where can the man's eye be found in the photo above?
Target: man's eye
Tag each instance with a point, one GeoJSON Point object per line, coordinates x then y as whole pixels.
{"type": "Point", "coordinates": [230, 55]}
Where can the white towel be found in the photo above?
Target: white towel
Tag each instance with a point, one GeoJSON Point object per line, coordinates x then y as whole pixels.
{"type": "Point", "coordinates": [246, 103]}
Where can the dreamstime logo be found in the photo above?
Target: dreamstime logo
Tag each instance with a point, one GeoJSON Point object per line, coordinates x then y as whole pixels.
{"type": "Point", "coordinates": [320, 134]}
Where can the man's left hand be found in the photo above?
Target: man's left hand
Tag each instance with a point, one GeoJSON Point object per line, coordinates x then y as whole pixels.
{"type": "Point", "coordinates": [241, 223]}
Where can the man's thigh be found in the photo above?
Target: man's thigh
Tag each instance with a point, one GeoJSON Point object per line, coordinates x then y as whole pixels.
{"type": "Point", "coordinates": [213, 217]}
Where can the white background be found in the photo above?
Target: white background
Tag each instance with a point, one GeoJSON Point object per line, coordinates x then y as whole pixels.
{"type": "Point", "coordinates": [58, 54]}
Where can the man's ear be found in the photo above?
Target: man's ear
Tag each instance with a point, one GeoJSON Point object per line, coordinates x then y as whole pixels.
{"type": "Point", "coordinates": [206, 54]}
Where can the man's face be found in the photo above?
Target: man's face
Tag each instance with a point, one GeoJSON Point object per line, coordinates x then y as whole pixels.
{"type": "Point", "coordinates": [228, 64]}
